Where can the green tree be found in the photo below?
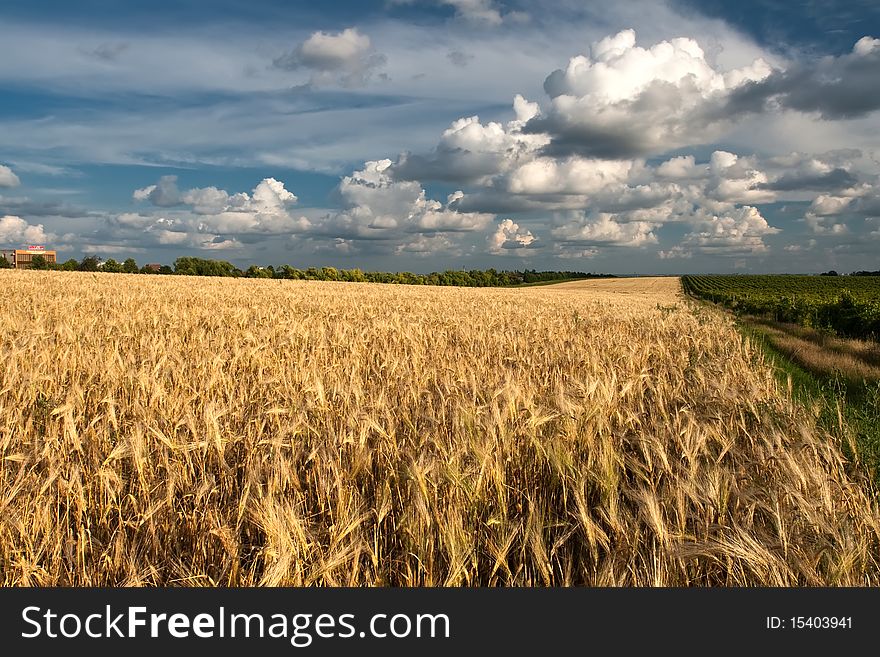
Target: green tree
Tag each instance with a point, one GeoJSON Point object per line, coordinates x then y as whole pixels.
{"type": "Point", "coordinates": [39, 262]}
{"type": "Point", "coordinates": [258, 272]}
{"type": "Point", "coordinates": [189, 266]}
{"type": "Point", "coordinates": [355, 275]}
{"type": "Point", "coordinates": [70, 265]}
{"type": "Point", "coordinates": [111, 266]}
{"type": "Point", "coordinates": [4, 263]}
{"type": "Point", "coordinates": [89, 263]}
{"type": "Point", "coordinates": [129, 266]}
{"type": "Point", "coordinates": [286, 271]}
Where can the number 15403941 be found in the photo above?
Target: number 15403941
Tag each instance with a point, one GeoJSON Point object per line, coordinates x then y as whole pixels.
{"type": "Point", "coordinates": [809, 622]}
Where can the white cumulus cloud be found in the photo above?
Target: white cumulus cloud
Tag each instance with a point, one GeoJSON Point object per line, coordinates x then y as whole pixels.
{"type": "Point", "coordinates": [163, 194]}
{"type": "Point", "coordinates": [509, 237]}
{"type": "Point", "coordinates": [572, 175]}
{"type": "Point", "coordinates": [605, 229]}
{"type": "Point", "coordinates": [429, 245]}
{"type": "Point", "coordinates": [16, 231]}
{"type": "Point", "coordinates": [211, 210]}
{"type": "Point", "coordinates": [625, 100]}
{"type": "Point", "coordinates": [8, 177]}
{"type": "Point", "coordinates": [739, 231]}
{"type": "Point", "coordinates": [471, 151]}
{"type": "Point", "coordinates": [346, 58]}
{"type": "Point", "coordinates": [377, 206]}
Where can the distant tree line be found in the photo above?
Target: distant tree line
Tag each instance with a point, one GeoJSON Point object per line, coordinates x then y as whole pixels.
{"type": "Point", "coordinates": [465, 278]}
{"type": "Point", "coordinates": [190, 266]}
{"type": "Point", "coordinates": [855, 273]}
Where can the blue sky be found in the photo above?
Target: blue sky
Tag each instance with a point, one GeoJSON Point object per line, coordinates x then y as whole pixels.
{"type": "Point", "coordinates": [658, 137]}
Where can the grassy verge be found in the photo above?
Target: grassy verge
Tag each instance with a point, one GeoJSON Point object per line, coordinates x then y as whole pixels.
{"type": "Point", "coordinates": [821, 352]}
{"type": "Point", "coordinates": [848, 408]}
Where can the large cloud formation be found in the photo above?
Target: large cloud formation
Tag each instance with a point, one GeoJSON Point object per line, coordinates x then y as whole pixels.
{"type": "Point", "coordinates": [380, 208]}
{"type": "Point", "coordinates": [396, 216]}
{"type": "Point", "coordinates": [813, 172]}
{"type": "Point", "coordinates": [841, 87]}
{"type": "Point", "coordinates": [738, 232]}
{"type": "Point", "coordinates": [208, 210]}
{"type": "Point", "coordinates": [15, 230]}
{"type": "Point", "coordinates": [628, 101]}
{"type": "Point", "coordinates": [470, 151]}
{"type": "Point", "coordinates": [604, 229]}
{"type": "Point", "coordinates": [827, 212]}
{"type": "Point", "coordinates": [588, 158]}
{"type": "Point", "coordinates": [616, 154]}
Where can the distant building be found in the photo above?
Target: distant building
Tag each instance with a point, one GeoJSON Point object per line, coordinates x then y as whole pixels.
{"type": "Point", "coordinates": [21, 258]}
{"type": "Point", "coordinates": [153, 267]}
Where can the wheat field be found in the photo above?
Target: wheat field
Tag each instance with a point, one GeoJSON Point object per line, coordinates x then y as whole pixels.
{"type": "Point", "coordinates": [160, 431]}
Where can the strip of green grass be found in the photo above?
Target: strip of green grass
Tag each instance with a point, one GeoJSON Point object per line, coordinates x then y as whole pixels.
{"type": "Point", "coordinates": [848, 410]}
